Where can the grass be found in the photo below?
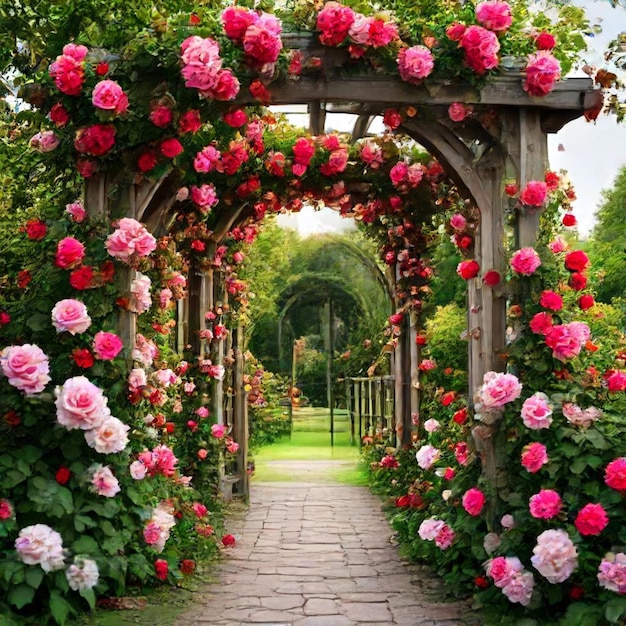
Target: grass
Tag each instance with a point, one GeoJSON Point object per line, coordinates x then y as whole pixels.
{"type": "Point", "coordinates": [310, 441]}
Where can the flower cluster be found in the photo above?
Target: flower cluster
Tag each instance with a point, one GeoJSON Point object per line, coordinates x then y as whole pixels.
{"type": "Point", "coordinates": [438, 531]}
{"type": "Point", "coordinates": [509, 574]}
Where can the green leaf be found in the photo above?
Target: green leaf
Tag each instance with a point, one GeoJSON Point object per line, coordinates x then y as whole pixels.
{"type": "Point", "coordinates": [614, 609]}
{"type": "Point", "coordinates": [59, 607]}
{"type": "Point", "coordinates": [90, 596]}
{"type": "Point", "coordinates": [21, 595]}
{"type": "Point", "coordinates": [85, 545]}
{"type": "Point", "coordinates": [34, 576]}
{"type": "Point", "coordinates": [579, 464]}
{"type": "Point", "coordinates": [38, 322]}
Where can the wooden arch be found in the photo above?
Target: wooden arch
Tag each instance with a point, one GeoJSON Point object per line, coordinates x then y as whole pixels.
{"type": "Point", "coordinates": [506, 138]}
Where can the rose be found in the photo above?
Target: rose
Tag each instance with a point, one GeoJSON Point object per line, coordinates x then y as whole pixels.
{"type": "Point", "coordinates": [130, 239]}
{"type": "Point", "coordinates": [473, 501]}
{"type": "Point", "coordinates": [161, 568]}
{"type": "Point", "coordinates": [95, 140]}
{"type": "Point", "coordinates": [26, 367]}
{"type": "Point", "coordinates": [71, 316]}
{"type": "Point", "coordinates": [58, 115]}
{"type": "Point", "coordinates": [334, 22]}
{"type": "Point", "coordinates": [187, 566]}
{"type": "Point", "coordinates": [82, 574]}
{"type": "Point", "coordinates": [551, 300]}
{"type": "Point", "coordinates": [576, 261]}
{"type": "Point", "coordinates": [541, 323]}
{"type": "Point", "coordinates": [545, 505]}
{"type": "Point", "coordinates": [567, 340]}
{"type": "Point", "coordinates": [107, 345]}
{"type": "Point", "coordinates": [68, 72]}
{"type": "Point", "coordinates": [586, 302]}
{"type": "Point", "coordinates": [63, 475]}
{"type": "Point", "coordinates": [494, 15]}
{"type": "Point", "coordinates": [40, 545]}
{"type": "Point", "coordinates": [468, 269]}
{"type": "Point", "coordinates": [201, 62]}
{"type": "Point", "coordinates": [481, 48]}
{"type": "Point", "coordinates": [534, 193]}
{"type": "Point", "coordinates": [107, 95]}
{"type": "Point", "coordinates": [579, 417]}
{"type": "Point", "coordinates": [577, 281]}
{"type": "Point", "coordinates": [170, 147]}
{"type": "Point", "coordinates": [236, 21]}
{"type": "Point", "coordinates": [545, 41]}
{"type": "Point", "coordinates": [109, 437]}
{"type": "Point", "coordinates": [70, 253]}
{"type": "Point", "coordinates": [189, 122]}
{"type": "Point", "coordinates": [499, 389]}
{"type": "Point", "coordinates": [458, 111]}
{"type": "Point", "coordinates": [542, 71]}
{"type": "Point", "coordinates": [536, 412]}
{"type": "Point", "coordinates": [415, 63]}
{"type": "Point", "coordinates": [615, 474]}
{"type": "Point", "coordinates": [103, 482]}
{"type": "Point", "coordinates": [76, 211]}
{"type": "Point", "coordinates": [262, 43]}
{"type": "Point", "coordinates": [555, 556]}
{"type": "Point", "coordinates": [615, 380]}
{"type": "Point", "coordinates": [591, 520]}
{"type": "Point", "coordinates": [427, 456]}
{"type": "Point", "coordinates": [45, 141]}
{"type": "Point", "coordinates": [80, 404]}
{"type": "Point", "coordinates": [534, 457]}
{"type": "Point", "coordinates": [228, 541]}
{"type": "Point", "coordinates": [140, 298]}
{"type": "Point", "coordinates": [525, 261]}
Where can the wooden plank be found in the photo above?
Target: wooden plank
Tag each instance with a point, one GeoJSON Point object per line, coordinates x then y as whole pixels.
{"type": "Point", "coordinates": [240, 413]}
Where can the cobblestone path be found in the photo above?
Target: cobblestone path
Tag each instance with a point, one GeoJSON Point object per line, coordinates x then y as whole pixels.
{"type": "Point", "coordinates": [319, 555]}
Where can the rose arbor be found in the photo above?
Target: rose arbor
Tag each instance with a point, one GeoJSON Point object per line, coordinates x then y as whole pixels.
{"type": "Point", "coordinates": [180, 162]}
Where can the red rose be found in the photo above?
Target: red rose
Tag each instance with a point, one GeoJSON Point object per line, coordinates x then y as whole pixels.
{"type": "Point", "coordinates": [586, 302]}
{"type": "Point", "coordinates": [577, 281]}
{"type": "Point", "coordinates": [70, 253]}
{"type": "Point", "coordinates": [23, 278]}
{"type": "Point", "coordinates": [187, 566]}
{"type": "Point", "coordinates": [448, 398]}
{"type": "Point", "coordinates": [545, 41]}
{"type": "Point", "coordinates": [551, 300]}
{"type": "Point", "coordinates": [95, 140]}
{"type": "Point", "coordinates": [491, 278]}
{"type": "Point", "coordinates": [169, 427]}
{"type": "Point", "coordinates": [468, 269]}
{"type": "Point", "coordinates": [395, 319]}
{"type": "Point", "coordinates": [59, 115]}
{"type": "Point", "coordinates": [260, 92]}
{"type": "Point", "coordinates": [569, 219]}
{"type": "Point", "coordinates": [171, 147]}
{"type": "Point", "coordinates": [12, 418]}
{"type": "Point", "coordinates": [5, 318]}
{"type": "Point", "coordinates": [161, 567]}
{"type": "Point", "coordinates": [82, 278]}
{"type": "Point", "coordinates": [552, 180]}
{"type": "Point", "coordinates": [576, 261]}
{"type": "Point", "coordinates": [102, 69]}
{"type": "Point", "coordinates": [420, 340]}
{"type": "Point", "coordinates": [35, 229]}
{"type": "Point", "coordinates": [236, 118]}
{"type": "Point", "coordinates": [463, 241]}
{"type": "Point", "coordinates": [511, 189]}
{"type": "Point", "coordinates": [107, 271]}
{"type": "Point", "coordinates": [82, 357]}
{"type": "Point", "coordinates": [481, 582]}
{"type": "Point", "coordinates": [576, 593]}
{"type": "Point", "coordinates": [63, 475]}
{"type": "Point", "coordinates": [228, 540]}
{"type": "Point", "coordinates": [147, 160]}
{"type": "Point", "coordinates": [189, 122]}
{"type": "Point", "coordinates": [403, 501]}
{"type": "Point", "coordinates": [86, 167]}
{"type": "Point", "coordinates": [460, 416]}
{"type": "Point", "coordinates": [392, 118]}
{"type": "Point", "coordinates": [161, 116]}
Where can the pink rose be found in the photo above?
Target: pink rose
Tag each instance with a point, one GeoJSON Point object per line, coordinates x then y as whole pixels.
{"type": "Point", "coordinates": [542, 71]}
{"type": "Point", "coordinates": [499, 389]}
{"type": "Point", "coordinates": [40, 545]}
{"type": "Point", "coordinates": [109, 96]}
{"type": "Point", "coordinates": [579, 417]}
{"type": "Point", "coordinates": [458, 111]}
{"type": "Point", "coordinates": [204, 196]}
{"type": "Point", "coordinates": [137, 378]}
{"type": "Point", "coordinates": [615, 474]}
{"type": "Point", "coordinates": [430, 528]}
{"type": "Point", "coordinates": [80, 404]}
{"type": "Point", "coordinates": [612, 572]}
{"type": "Point", "coordinates": [555, 556]}
{"type": "Point", "coordinates": [68, 72]}
{"type": "Point", "coordinates": [45, 141]}
{"type": "Point", "coordinates": [458, 222]}
{"type": "Point", "coordinates": [70, 253]}
{"type": "Point", "coordinates": [201, 62]}
{"type": "Point", "coordinates": [236, 21]}
{"type": "Point", "coordinates": [140, 298]}
{"type": "Point", "coordinates": [427, 456]}
{"type": "Point", "coordinates": [103, 482]}
{"type": "Point", "coordinates": [525, 261]}
{"type": "Point", "coordinates": [473, 501]}
{"type": "Point", "coordinates": [536, 412]}
{"type": "Point", "coordinates": [218, 430]}
{"type": "Point", "coordinates": [109, 437]}
{"type": "Point", "coordinates": [534, 457]}
{"type": "Point", "coordinates": [207, 159]}
{"type": "Point", "coordinates": [455, 31]}
{"type": "Point", "coordinates": [551, 300]}
{"type": "Point", "coordinates": [494, 15]}
{"type": "Point", "coordinates": [615, 380]}
{"type": "Point", "coordinates": [541, 323]}
{"type": "Point", "coordinates": [76, 211]}
{"type": "Point", "coordinates": [26, 367]}
{"type": "Point", "coordinates": [130, 239]}
{"type": "Point", "coordinates": [107, 346]}
{"type": "Point", "coordinates": [334, 22]}
{"type": "Point", "coordinates": [534, 193]}
{"type": "Point", "coordinates": [481, 48]}
{"type": "Point", "coordinates": [262, 42]}
{"type": "Point", "coordinates": [591, 520]}
{"type": "Point", "coordinates": [545, 505]}
{"type": "Point", "coordinates": [415, 63]}
{"type": "Point", "coordinates": [444, 538]}
{"type": "Point", "coordinates": [199, 509]}
{"type": "Point", "coordinates": [71, 316]}
{"type": "Point", "coordinates": [567, 340]}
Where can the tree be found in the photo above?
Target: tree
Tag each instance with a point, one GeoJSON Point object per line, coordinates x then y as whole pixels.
{"type": "Point", "coordinates": [607, 248]}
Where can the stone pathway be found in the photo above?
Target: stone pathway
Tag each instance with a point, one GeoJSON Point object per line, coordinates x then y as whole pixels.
{"type": "Point", "coordinates": [320, 555]}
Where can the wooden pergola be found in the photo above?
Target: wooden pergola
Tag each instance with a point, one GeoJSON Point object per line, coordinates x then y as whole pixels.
{"type": "Point", "coordinates": [504, 139]}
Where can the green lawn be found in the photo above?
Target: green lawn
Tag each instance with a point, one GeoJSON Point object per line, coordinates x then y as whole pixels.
{"type": "Point", "coordinates": [310, 441]}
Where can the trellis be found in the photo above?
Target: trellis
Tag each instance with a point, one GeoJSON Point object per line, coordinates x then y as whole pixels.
{"type": "Point", "coordinates": [505, 138]}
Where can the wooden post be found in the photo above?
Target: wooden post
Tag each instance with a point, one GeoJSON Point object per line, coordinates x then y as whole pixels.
{"type": "Point", "coordinates": [240, 413]}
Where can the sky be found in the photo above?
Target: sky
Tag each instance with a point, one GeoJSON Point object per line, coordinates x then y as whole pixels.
{"type": "Point", "coordinates": [592, 153]}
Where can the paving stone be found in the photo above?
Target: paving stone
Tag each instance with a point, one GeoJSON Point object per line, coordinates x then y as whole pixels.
{"type": "Point", "coordinates": [377, 612]}
{"type": "Point", "coordinates": [320, 606]}
{"type": "Point", "coordinates": [282, 602]}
